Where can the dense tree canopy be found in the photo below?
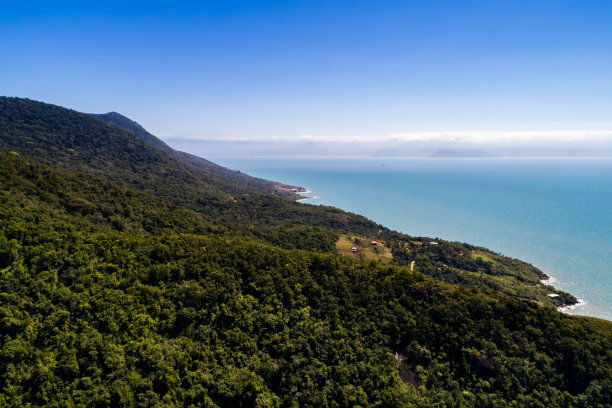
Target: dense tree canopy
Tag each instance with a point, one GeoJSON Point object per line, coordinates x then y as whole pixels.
{"type": "Point", "coordinates": [114, 292]}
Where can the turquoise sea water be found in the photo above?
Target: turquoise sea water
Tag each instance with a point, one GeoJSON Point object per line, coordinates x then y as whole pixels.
{"type": "Point", "coordinates": [553, 213]}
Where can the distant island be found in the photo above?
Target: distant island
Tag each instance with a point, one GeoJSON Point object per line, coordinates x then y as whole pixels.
{"type": "Point", "coordinates": [460, 153]}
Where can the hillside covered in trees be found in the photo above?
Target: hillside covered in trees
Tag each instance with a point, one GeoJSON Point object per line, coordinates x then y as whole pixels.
{"type": "Point", "coordinates": [129, 277]}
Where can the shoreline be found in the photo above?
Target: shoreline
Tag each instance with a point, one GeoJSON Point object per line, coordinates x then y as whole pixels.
{"type": "Point", "coordinates": [581, 306]}
{"type": "Point", "coordinates": [299, 200]}
{"type": "Point", "coordinates": [290, 189]}
{"type": "Point", "coordinates": [548, 279]}
{"type": "Point", "coordinates": [304, 198]}
{"type": "Point", "coordinates": [567, 309]}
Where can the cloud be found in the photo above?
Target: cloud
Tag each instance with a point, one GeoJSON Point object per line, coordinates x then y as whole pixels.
{"type": "Point", "coordinates": [478, 136]}
{"type": "Point", "coordinates": [462, 136]}
{"type": "Point", "coordinates": [225, 138]}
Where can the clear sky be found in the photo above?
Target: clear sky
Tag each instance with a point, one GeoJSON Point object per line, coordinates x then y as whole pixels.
{"type": "Point", "coordinates": [275, 69]}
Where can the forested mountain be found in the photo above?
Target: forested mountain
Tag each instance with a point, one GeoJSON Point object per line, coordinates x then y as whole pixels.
{"type": "Point", "coordinates": [134, 128]}
{"type": "Point", "coordinates": [120, 293]}
{"type": "Point", "coordinates": [82, 142]}
{"type": "Point", "coordinates": [127, 124]}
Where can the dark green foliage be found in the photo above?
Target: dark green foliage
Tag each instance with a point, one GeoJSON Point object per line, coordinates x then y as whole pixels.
{"type": "Point", "coordinates": [96, 314]}
{"type": "Point", "coordinates": [184, 319]}
{"type": "Point", "coordinates": [29, 189]}
{"type": "Point", "coordinates": [181, 295]}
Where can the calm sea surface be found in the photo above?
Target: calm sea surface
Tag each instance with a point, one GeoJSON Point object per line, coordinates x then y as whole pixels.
{"type": "Point", "coordinates": [553, 213]}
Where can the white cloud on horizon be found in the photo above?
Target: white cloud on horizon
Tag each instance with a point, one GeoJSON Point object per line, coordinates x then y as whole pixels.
{"type": "Point", "coordinates": [480, 136]}
{"type": "Point", "coordinates": [464, 136]}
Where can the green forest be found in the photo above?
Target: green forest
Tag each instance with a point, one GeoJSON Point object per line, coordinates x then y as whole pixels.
{"type": "Point", "coordinates": [132, 276]}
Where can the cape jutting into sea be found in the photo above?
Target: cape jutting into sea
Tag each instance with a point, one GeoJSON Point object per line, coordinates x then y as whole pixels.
{"type": "Point", "coordinates": [555, 213]}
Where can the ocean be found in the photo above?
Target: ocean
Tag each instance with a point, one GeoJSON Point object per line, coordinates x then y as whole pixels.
{"type": "Point", "coordinates": [555, 213]}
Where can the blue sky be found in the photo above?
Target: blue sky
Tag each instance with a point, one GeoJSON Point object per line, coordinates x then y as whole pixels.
{"type": "Point", "coordinates": [325, 69]}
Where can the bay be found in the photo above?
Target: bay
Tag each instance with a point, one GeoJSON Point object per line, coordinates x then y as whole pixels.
{"type": "Point", "coordinates": [555, 213]}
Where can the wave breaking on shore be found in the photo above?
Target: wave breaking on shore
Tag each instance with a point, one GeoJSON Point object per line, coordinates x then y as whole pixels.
{"type": "Point", "coordinates": [305, 198]}
{"type": "Point", "coordinates": [571, 309]}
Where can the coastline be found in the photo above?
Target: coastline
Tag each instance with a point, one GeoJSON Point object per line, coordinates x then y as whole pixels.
{"type": "Point", "coordinates": [309, 172]}
{"type": "Point", "coordinates": [298, 192]}
{"type": "Point", "coordinates": [567, 309]}
{"type": "Point", "coordinates": [304, 198]}
{"type": "Point", "coordinates": [547, 278]}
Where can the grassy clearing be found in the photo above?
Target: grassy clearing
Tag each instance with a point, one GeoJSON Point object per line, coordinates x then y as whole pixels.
{"type": "Point", "coordinates": [481, 255]}
{"type": "Point", "coordinates": [365, 250]}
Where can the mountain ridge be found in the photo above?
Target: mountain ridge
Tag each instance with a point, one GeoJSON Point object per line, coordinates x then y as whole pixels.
{"type": "Point", "coordinates": [141, 133]}
{"type": "Point", "coordinates": [120, 288]}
